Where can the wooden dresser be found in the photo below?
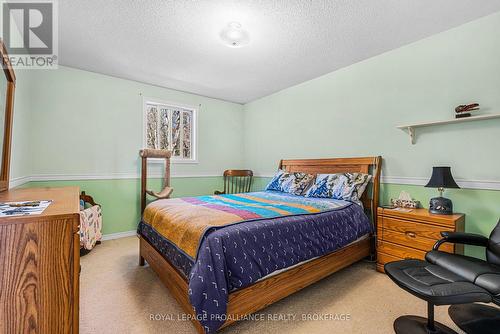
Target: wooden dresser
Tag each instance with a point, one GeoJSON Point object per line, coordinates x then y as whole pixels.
{"type": "Point", "coordinates": [40, 264]}
{"type": "Point", "coordinates": [403, 235]}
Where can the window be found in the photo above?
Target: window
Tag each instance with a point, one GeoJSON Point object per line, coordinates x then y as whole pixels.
{"type": "Point", "coordinates": [172, 127]}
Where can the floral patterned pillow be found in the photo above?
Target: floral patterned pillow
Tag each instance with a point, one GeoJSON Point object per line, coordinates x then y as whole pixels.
{"type": "Point", "coordinates": [327, 186]}
{"type": "Point", "coordinates": [346, 186]}
{"type": "Point", "coordinates": [355, 186]}
{"type": "Point", "coordinates": [293, 183]}
{"type": "Point", "coordinates": [297, 183]}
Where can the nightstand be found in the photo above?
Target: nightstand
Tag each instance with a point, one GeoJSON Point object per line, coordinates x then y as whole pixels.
{"type": "Point", "coordinates": [402, 235]}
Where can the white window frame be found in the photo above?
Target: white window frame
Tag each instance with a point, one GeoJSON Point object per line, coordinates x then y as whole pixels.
{"type": "Point", "coordinates": [194, 135]}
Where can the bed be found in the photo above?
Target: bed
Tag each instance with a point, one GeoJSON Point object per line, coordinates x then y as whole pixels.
{"type": "Point", "coordinates": [225, 257]}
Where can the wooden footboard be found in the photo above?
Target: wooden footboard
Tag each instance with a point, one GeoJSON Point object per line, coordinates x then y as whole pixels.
{"type": "Point", "coordinates": [263, 293]}
{"type": "Point", "coordinates": [169, 275]}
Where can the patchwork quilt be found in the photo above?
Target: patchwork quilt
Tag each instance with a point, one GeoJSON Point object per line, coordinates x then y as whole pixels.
{"type": "Point", "coordinates": [184, 221]}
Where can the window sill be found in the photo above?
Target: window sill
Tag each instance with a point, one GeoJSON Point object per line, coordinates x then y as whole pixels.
{"type": "Point", "coordinates": [183, 161]}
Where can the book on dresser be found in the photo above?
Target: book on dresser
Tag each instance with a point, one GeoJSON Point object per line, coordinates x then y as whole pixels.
{"type": "Point", "coordinates": [403, 235]}
{"type": "Point", "coordinates": [40, 263]}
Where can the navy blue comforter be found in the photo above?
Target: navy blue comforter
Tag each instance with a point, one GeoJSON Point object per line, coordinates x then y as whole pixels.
{"type": "Point", "coordinates": [236, 256]}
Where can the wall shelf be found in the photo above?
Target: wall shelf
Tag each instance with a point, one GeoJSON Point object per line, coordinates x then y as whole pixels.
{"type": "Point", "coordinates": [411, 127]}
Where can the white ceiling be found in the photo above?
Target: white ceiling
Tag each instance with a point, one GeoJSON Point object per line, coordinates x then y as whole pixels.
{"type": "Point", "coordinates": [176, 44]}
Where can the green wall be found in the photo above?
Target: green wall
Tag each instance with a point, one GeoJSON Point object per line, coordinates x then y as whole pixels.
{"type": "Point", "coordinates": [354, 112]}
{"type": "Point", "coordinates": [88, 123]}
{"type": "Point", "coordinates": [72, 124]}
{"type": "Point", "coordinates": [120, 199]}
{"type": "Point", "coordinates": [86, 128]}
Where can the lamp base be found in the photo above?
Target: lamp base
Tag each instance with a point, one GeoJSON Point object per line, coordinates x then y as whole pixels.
{"type": "Point", "coordinates": [441, 206]}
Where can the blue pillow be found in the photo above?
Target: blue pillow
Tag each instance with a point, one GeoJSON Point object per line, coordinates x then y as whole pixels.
{"type": "Point", "coordinates": [276, 182]}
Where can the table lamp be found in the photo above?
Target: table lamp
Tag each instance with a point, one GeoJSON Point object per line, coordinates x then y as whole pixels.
{"type": "Point", "coordinates": [441, 178]}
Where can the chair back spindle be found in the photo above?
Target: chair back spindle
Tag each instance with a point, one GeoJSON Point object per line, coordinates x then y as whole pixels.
{"type": "Point", "coordinates": [236, 181]}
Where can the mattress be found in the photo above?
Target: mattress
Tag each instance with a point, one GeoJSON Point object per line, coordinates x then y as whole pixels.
{"type": "Point", "coordinates": [184, 263]}
{"type": "Point", "coordinates": [277, 272]}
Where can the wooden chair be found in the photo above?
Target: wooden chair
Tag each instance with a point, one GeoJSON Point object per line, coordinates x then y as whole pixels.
{"type": "Point", "coordinates": [167, 190]}
{"type": "Point", "coordinates": [90, 200]}
{"type": "Point", "coordinates": [236, 181]}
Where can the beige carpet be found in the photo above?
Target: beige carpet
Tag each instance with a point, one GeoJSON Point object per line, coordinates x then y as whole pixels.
{"type": "Point", "coordinates": [118, 296]}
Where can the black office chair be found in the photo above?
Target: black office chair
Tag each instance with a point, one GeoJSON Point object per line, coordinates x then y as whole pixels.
{"type": "Point", "coordinates": [453, 279]}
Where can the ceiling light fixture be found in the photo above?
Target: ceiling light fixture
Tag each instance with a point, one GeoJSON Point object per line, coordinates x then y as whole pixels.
{"type": "Point", "coordinates": [234, 36]}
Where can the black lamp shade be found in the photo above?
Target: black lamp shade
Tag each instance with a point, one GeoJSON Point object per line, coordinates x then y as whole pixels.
{"type": "Point", "coordinates": [442, 178]}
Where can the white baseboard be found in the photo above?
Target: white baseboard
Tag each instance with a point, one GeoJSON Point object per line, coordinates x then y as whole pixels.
{"type": "Point", "coordinates": [112, 176]}
{"type": "Point", "coordinates": [119, 235]}
{"type": "Point", "coordinates": [421, 181]}
{"type": "Point", "coordinates": [417, 181]}
{"type": "Point", "coordinates": [18, 181]}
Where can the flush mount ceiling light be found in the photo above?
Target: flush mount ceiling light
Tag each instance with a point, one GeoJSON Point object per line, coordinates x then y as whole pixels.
{"type": "Point", "coordinates": [234, 36]}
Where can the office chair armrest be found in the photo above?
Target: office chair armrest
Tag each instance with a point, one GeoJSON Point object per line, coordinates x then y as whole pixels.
{"type": "Point", "coordinates": [461, 238]}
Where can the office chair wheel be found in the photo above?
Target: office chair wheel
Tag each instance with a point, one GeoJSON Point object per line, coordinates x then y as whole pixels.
{"type": "Point", "coordinates": [476, 318]}
{"type": "Point", "coordinates": [411, 324]}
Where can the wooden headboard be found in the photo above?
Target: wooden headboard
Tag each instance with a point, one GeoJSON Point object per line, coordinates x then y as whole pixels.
{"type": "Point", "coordinates": [366, 165]}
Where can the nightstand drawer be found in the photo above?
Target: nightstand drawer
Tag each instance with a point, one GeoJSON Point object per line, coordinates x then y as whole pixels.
{"type": "Point", "coordinates": [422, 229]}
{"type": "Point", "coordinates": [411, 239]}
{"type": "Point", "coordinates": [399, 251]}
{"type": "Point", "coordinates": [383, 258]}
{"type": "Point", "coordinates": [410, 234]}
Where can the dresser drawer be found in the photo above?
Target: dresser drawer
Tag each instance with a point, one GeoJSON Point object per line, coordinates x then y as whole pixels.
{"type": "Point", "coordinates": [410, 234]}
{"type": "Point", "coordinates": [399, 251]}
{"type": "Point", "coordinates": [383, 258]}
{"type": "Point", "coordinates": [422, 229]}
{"type": "Point", "coordinates": [411, 239]}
